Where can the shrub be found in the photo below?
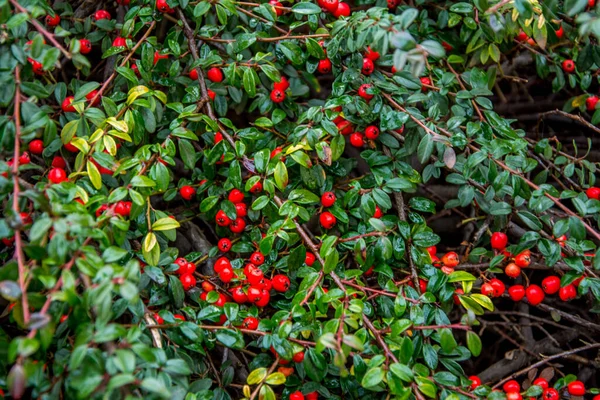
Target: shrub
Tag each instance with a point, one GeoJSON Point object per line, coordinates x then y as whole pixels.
{"type": "Point", "coordinates": [221, 199]}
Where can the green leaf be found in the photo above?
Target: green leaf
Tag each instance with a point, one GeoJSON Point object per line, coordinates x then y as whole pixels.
{"type": "Point", "coordinates": [306, 8]}
{"type": "Point", "coordinates": [473, 343]}
{"type": "Point", "coordinates": [257, 376]}
{"type": "Point", "coordinates": [281, 176]}
{"type": "Point", "coordinates": [94, 175]}
{"type": "Point", "coordinates": [165, 224]}
{"type": "Point", "coordinates": [373, 377]}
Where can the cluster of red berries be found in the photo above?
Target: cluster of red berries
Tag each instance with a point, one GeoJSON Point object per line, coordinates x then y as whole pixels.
{"type": "Point", "coordinates": [335, 7]}
{"type": "Point", "coordinates": [447, 263]}
{"type": "Point", "coordinates": [278, 92]}
{"type": "Point", "coordinates": [122, 208]}
{"type": "Point", "coordinates": [186, 273]}
{"type": "Point", "coordinates": [512, 389]}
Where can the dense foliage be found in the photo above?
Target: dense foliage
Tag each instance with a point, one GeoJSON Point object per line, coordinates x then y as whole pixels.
{"type": "Point", "coordinates": [297, 200]}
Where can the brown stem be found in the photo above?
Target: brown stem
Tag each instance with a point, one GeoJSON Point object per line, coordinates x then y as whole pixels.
{"type": "Point", "coordinates": [15, 205]}
{"type": "Point", "coordinates": [375, 332]}
{"type": "Point", "coordinates": [269, 372]}
{"type": "Point", "coordinates": [462, 86]}
{"type": "Point", "coordinates": [357, 237]}
{"type": "Point", "coordinates": [270, 39]}
{"type": "Point", "coordinates": [41, 29]}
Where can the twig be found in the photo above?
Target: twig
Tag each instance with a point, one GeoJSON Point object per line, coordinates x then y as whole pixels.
{"type": "Point", "coordinates": [577, 118]}
{"type": "Point", "coordinates": [41, 29]}
{"type": "Point", "coordinates": [251, 14]}
{"type": "Point", "coordinates": [544, 361]}
{"type": "Point", "coordinates": [357, 237]}
{"type": "Point", "coordinates": [270, 39]}
{"type": "Point", "coordinates": [462, 86]}
{"type": "Point", "coordinates": [269, 372]}
{"type": "Point", "coordinates": [495, 8]}
{"type": "Point", "coordinates": [154, 332]}
{"type": "Point", "coordinates": [375, 332]}
{"type": "Point", "coordinates": [15, 205]}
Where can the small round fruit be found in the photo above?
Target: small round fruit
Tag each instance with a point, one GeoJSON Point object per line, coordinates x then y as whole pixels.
{"type": "Point", "coordinates": [450, 259]}
{"type": "Point", "coordinates": [221, 263]}
{"type": "Point", "coordinates": [226, 275]}
{"type": "Point", "coordinates": [93, 95]}
{"type": "Point", "coordinates": [264, 299]}
{"type": "Point", "coordinates": [101, 14]}
{"type": "Point", "coordinates": [67, 104]}
{"type": "Point", "coordinates": [224, 245]}
{"type": "Point", "coordinates": [52, 21]}
{"type": "Point", "coordinates": [282, 85]}
{"type": "Point", "coordinates": [568, 66]}
{"type": "Point", "coordinates": [498, 286]}
{"type": "Point", "coordinates": [372, 132]}
{"type": "Point", "coordinates": [187, 192]}
{"type": "Point", "coordinates": [36, 146]}
{"type": "Point", "coordinates": [535, 294]}
{"type": "Point", "coordinates": [193, 74]}
{"type": "Point", "coordinates": [523, 259]}
{"type": "Point", "coordinates": [550, 394]}
{"type": "Point", "coordinates": [222, 219]}
{"type": "Point", "coordinates": [120, 42]}
{"type": "Point", "coordinates": [309, 259]}
{"type": "Point", "coordinates": [368, 66]}
{"type": "Point", "coordinates": [590, 103]}
{"type": "Point", "coordinates": [514, 396]}
{"type": "Point", "coordinates": [57, 175]}
{"type": "Point", "coordinates": [236, 196]}
{"type": "Point", "coordinates": [522, 36]}
{"type": "Point", "coordinates": [487, 290]}
{"type": "Point", "coordinates": [312, 396]}
{"type": "Point", "coordinates": [250, 323]}
{"type": "Point", "coordinates": [256, 188]}
{"type": "Point", "coordinates": [475, 382]}
{"type": "Point", "coordinates": [187, 281]}
{"type": "Point", "coordinates": [239, 296]}
{"type": "Point", "coordinates": [567, 293]}
{"type": "Point", "coordinates": [591, 193]}
{"type": "Point", "coordinates": [551, 284]}
{"type": "Point", "coordinates": [215, 75]}
{"type": "Point", "coordinates": [163, 6]}
{"type": "Point", "coordinates": [330, 6]}
{"type": "Point", "coordinates": [362, 91]}
{"type": "Point", "coordinates": [324, 66]}
{"type": "Point", "coordinates": [257, 258]}
{"type": "Point", "coordinates": [541, 382]}
{"type": "Point", "coordinates": [372, 54]}
{"type": "Point", "coordinates": [327, 220]}
{"type": "Point", "coordinates": [297, 396]}
{"type": "Point", "coordinates": [85, 46]}
{"type": "Point", "coordinates": [343, 10]}
{"type": "Point", "coordinates": [237, 225]}
{"type": "Point", "coordinates": [281, 283]}
{"type": "Point", "coordinates": [276, 4]}
{"type": "Point", "coordinates": [378, 213]}
{"type": "Point", "coordinates": [499, 241]}
{"type": "Point", "coordinates": [425, 81]}
{"type": "Point", "coordinates": [277, 96]}
{"type": "Point", "coordinates": [516, 292]}
{"type": "Point", "coordinates": [357, 139]}
{"type": "Point", "coordinates": [576, 388]}
{"type": "Point", "coordinates": [511, 386]}
{"type": "Point", "coordinates": [327, 200]}
{"type": "Point", "coordinates": [512, 270]}
{"type": "Point", "coordinates": [241, 209]}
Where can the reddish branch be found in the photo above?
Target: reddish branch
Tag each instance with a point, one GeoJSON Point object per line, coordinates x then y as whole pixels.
{"type": "Point", "coordinates": [41, 29]}
{"type": "Point", "coordinates": [357, 237]}
{"type": "Point", "coordinates": [269, 372]}
{"type": "Point", "coordinates": [15, 205]}
{"type": "Point", "coordinates": [270, 39]}
{"type": "Point", "coordinates": [125, 60]}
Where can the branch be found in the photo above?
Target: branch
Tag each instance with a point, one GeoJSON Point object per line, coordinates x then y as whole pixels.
{"type": "Point", "coordinates": [577, 118]}
{"type": "Point", "coordinates": [41, 29]}
{"type": "Point", "coordinates": [15, 205]}
{"type": "Point", "coordinates": [270, 39]}
{"type": "Point", "coordinates": [544, 361]}
{"type": "Point", "coordinates": [269, 372]}
{"type": "Point", "coordinates": [375, 332]}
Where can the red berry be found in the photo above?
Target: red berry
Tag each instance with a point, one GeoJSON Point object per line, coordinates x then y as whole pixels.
{"type": "Point", "coordinates": [277, 96]}
{"type": "Point", "coordinates": [211, 94]}
{"type": "Point", "coordinates": [362, 91]}
{"type": "Point", "coordinates": [101, 14]}
{"type": "Point", "coordinates": [551, 284]}
{"type": "Point", "coordinates": [281, 283]}
{"type": "Point", "coordinates": [282, 85]}
{"type": "Point", "coordinates": [257, 258]}
{"type": "Point", "coordinates": [179, 317]}
{"type": "Point", "coordinates": [297, 396]}
{"type": "Point", "coordinates": [487, 290]}
{"type": "Point", "coordinates": [59, 162]}
{"type": "Point", "coordinates": [237, 225]}
{"type": "Point", "coordinates": [432, 250]}
{"type": "Point", "coordinates": [392, 4]}
{"type": "Point", "coordinates": [368, 66]}
{"type": "Point", "coordinates": [499, 241]}
{"type": "Point", "coordinates": [222, 219]}
{"type": "Point", "coordinates": [36, 146]}
{"type": "Point", "coordinates": [163, 6]}
{"type": "Point", "coordinates": [193, 74]}
{"type": "Point", "coordinates": [312, 396]}
{"type": "Point", "coordinates": [344, 127]}
{"type": "Point", "coordinates": [371, 54]}
{"type": "Point", "coordinates": [57, 175]}
{"type": "Point", "coordinates": [276, 4]}
{"type": "Point", "coordinates": [224, 245]}
{"type": "Point", "coordinates": [523, 259]}
{"type": "Point", "coordinates": [298, 357]}
{"type": "Point", "coordinates": [456, 297]}
{"type": "Point", "coordinates": [511, 386]}
{"type": "Point", "coordinates": [121, 42]}
{"type": "Point", "coordinates": [240, 297]}
{"type": "Point", "coordinates": [241, 209]}
{"type": "Point", "coordinates": [159, 320]}
{"type": "Point", "coordinates": [324, 66]}
{"type": "Point", "coordinates": [357, 139]}
{"type": "Point", "coordinates": [475, 382]}
{"type": "Point", "coordinates": [182, 262]}
{"type": "Point", "coordinates": [122, 208]}
{"type": "Point", "coordinates": [514, 396]}
{"type": "Point", "coordinates": [327, 220]}
{"type": "Point", "coordinates": [425, 81]}
{"type": "Point", "coordinates": [450, 259]}
{"type": "Point", "coordinates": [560, 32]}
{"type": "Point", "coordinates": [158, 57]}
{"type": "Point", "coordinates": [254, 294]}
{"type": "Point", "coordinates": [236, 196]}
{"type": "Point", "coordinates": [550, 394]}
{"type": "Point", "coordinates": [250, 323]}
{"type": "Point", "coordinates": [187, 281]}
{"type": "Point", "coordinates": [215, 75]}
{"type": "Point", "coordinates": [85, 46]}
{"type": "Point", "coordinates": [67, 104]}
{"type": "Point", "coordinates": [309, 259]}
{"type": "Point", "coordinates": [592, 193]}
{"type": "Point", "coordinates": [52, 21]}
{"type": "Point", "coordinates": [568, 66]}
{"type": "Point", "coordinates": [516, 292]}
{"type": "Point", "coordinates": [576, 388]}
{"type": "Point", "coordinates": [541, 382]}
{"type": "Point", "coordinates": [378, 213]}
{"type": "Point", "coordinates": [37, 67]}
{"type": "Point", "coordinates": [522, 36]}
{"type": "Point", "coordinates": [372, 132]}
{"type": "Point", "coordinates": [535, 295]}
{"type": "Point", "coordinates": [256, 188]}
{"type": "Point", "coordinates": [512, 270]}
{"type": "Point", "coordinates": [187, 192]}
{"type": "Point", "coordinates": [253, 274]}
{"type": "Point", "coordinates": [327, 200]}
{"type": "Point", "coordinates": [343, 10]}
{"type": "Point", "coordinates": [498, 286]}
{"type": "Point", "coordinates": [226, 275]}
{"type": "Point", "coordinates": [91, 95]}
{"type": "Point", "coordinates": [330, 6]}
{"type": "Point", "coordinates": [567, 293]}
{"type": "Point", "coordinates": [221, 263]}
{"type": "Point", "coordinates": [265, 297]}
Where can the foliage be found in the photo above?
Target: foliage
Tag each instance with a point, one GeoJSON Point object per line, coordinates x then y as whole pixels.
{"type": "Point", "coordinates": [94, 302]}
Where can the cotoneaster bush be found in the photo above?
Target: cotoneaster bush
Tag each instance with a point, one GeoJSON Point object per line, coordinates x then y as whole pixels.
{"type": "Point", "coordinates": [227, 199]}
